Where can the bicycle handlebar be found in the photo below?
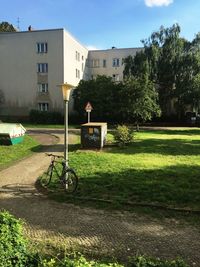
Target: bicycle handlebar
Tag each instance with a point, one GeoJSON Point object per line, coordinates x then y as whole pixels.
{"type": "Point", "coordinates": [55, 156]}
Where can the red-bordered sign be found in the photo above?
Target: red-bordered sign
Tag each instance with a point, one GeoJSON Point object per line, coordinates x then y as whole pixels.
{"type": "Point", "coordinates": [88, 107]}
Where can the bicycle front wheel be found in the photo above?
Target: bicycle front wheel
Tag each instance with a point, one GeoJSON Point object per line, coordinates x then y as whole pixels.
{"type": "Point", "coordinates": [70, 181]}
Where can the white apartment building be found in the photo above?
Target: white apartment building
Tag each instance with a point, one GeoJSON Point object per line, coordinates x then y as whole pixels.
{"type": "Point", "coordinates": [33, 63]}
{"type": "Point", "coordinates": [109, 62]}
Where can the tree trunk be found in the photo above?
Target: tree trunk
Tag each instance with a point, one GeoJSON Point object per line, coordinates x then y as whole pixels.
{"type": "Point", "coordinates": [137, 127]}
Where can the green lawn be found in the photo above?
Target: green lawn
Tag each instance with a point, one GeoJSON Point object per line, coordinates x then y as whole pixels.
{"type": "Point", "coordinates": [10, 154]}
{"type": "Point", "coordinates": [160, 167]}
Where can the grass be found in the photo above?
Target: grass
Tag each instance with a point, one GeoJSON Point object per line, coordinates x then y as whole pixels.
{"type": "Point", "coordinates": [13, 153]}
{"type": "Point", "coordinates": [159, 167]}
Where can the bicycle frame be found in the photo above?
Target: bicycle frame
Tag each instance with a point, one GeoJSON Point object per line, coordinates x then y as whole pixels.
{"type": "Point", "coordinates": [66, 175]}
{"type": "Point", "coordinates": [54, 168]}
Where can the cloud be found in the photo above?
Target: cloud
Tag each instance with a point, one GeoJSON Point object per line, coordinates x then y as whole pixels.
{"type": "Point", "coordinates": [151, 3]}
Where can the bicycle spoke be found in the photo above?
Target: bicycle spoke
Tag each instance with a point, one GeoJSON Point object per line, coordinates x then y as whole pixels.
{"type": "Point", "coordinates": [70, 181]}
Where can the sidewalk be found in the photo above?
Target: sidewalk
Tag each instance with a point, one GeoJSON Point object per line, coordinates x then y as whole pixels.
{"type": "Point", "coordinates": [118, 234]}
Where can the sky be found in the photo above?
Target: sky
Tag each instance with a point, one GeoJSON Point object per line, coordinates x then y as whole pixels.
{"type": "Point", "coordinates": [101, 24]}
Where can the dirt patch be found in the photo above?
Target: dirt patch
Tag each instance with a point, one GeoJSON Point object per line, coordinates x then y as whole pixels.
{"type": "Point", "coordinates": [44, 138]}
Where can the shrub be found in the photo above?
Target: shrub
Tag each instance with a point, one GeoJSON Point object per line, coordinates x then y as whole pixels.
{"type": "Point", "coordinates": [45, 117]}
{"type": "Point", "coordinates": [13, 245]}
{"type": "Point", "coordinates": [142, 261]}
{"type": "Point", "coordinates": [123, 135]}
{"type": "Point", "coordinates": [75, 262]}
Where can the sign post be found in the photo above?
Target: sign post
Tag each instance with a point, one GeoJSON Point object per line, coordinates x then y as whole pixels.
{"type": "Point", "coordinates": [88, 109]}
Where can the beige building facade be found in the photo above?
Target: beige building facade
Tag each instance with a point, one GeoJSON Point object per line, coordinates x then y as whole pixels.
{"type": "Point", "coordinates": [33, 63]}
{"type": "Point", "coordinates": [109, 62]}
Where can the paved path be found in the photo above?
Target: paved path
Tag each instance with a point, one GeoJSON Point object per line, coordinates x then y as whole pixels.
{"type": "Point", "coordinates": [119, 234]}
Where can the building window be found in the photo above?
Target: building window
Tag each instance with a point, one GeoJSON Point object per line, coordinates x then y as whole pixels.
{"type": "Point", "coordinates": [43, 87]}
{"type": "Point", "coordinates": [104, 63]}
{"type": "Point", "coordinates": [95, 63]}
{"type": "Point", "coordinates": [77, 56]}
{"type": "Point", "coordinates": [77, 73]}
{"type": "Point", "coordinates": [82, 57]}
{"type": "Point", "coordinates": [115, 77]}
{"type": "Point", "coordinates": [115, 62]}
{"type": "Point", "coordinates": [43, 106]}
{"type": "Point", "coordinates": [42, 47]}
{"type": "Point", "coordinates": [42, 67]}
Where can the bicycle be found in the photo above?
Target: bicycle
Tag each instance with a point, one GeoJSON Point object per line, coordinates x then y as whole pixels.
{"type": "Point", "coordinates": [67, 176]}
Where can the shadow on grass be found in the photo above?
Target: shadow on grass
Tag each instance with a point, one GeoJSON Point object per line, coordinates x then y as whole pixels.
{"type": "Point", "coordinates": [160, 146]}
{"type": "Point", "coordinates": [176, 185]}
{"type": "Point", "coordinates": [55, 148]}
{"type": "Point", "coordinates": [53, 131]}
{"type": "Point", "coordinates": [172, 131]}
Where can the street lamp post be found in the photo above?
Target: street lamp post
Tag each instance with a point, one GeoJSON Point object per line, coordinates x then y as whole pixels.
{"type": "Point", "coordinates": [66, 88]}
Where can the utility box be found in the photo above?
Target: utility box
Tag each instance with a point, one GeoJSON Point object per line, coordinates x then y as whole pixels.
{"type": "Point", "coordinates": [93, 134]}
{"type": "Point", "coordinates": [11, 133]}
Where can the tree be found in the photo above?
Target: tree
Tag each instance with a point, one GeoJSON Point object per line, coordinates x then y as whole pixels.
{"type": "Point", "coordinates": [6, 27]}
{"type": "Point", "coordinates": [171, 62]}
{"type": "Point", "coordinates": [188, 80]}
{"type": "Point", "coordinates": [140, 100]}
{"type": "Point", "coordinates": [103, 94]}
{"type": "Point", "coordinates": [134, 100]}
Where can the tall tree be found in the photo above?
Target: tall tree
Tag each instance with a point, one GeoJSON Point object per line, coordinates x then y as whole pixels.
{"type": "Point", "coordinates": [134, 100]}
{"type": "Point", "coordinates": [140, 100]}
{"type": "Point", "coordinates": [103, 94]}
{"type": "Point", "coordinates": [6, 27]}
{"type": "Point", "coordinates": [169, 61]}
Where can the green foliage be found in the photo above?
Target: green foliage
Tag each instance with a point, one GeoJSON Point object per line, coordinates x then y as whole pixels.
{"type": "Point", "coordinates": [75, 262]}
{"type": "Point", "coordinates": [172, 63]}
{"type": "Point", "coordinates": [45, 117]}
{"type": "Point", "coordinates": [13, 245]}
{"type": "Point", "coordinates": [141, 99]}
{"type": "Point", "coordinates": [142, 261]}
{"type": "Point", "coordinates": [104, 96]}
{"type": "Point", "coordinates": [123, 135]}
{"type": "Point", "coordinates": [6, 27]}
{"type": "Point", "coordinates": [133, 100]}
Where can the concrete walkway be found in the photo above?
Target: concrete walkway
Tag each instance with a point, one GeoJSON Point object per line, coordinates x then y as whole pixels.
{"type": "Point", "coordinates": [119, 234]}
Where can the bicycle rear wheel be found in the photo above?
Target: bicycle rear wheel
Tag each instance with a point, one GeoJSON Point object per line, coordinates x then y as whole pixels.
{"type": "Point", "coordinates": [46, 177]}
{"type": "Point", "coordinates": [69, 180]}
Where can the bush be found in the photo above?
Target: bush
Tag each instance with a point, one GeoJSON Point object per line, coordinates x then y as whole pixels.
{"type": "Point", "coordinates": [75, 262]}
{"type": "Point", "coordinates": [13, 245]}
{"type": "Point", "coordinates": [142, 261]}
{"type": "Point", "coordinates": [45, 117]}
{"type": "Point", "coordinates": [123, 135]}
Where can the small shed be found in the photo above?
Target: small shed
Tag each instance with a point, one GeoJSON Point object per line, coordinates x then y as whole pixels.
{"type": "Point", "coordinates": [93, 134]}
{"type": "Point", "coordinates": [11, 133]}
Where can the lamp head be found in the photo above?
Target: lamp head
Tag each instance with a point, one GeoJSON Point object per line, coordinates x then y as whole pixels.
{"type": "Point", "coordinates": [66, 88]}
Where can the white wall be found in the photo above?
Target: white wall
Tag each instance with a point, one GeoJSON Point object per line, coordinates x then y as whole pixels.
{"type": "Point", "coordinates": [75, 68]}
{"type": "Point", "coordinates": [71, 61]}
{"type": "Point", "coordinates": [18, 68]}
{"type": "Point", "coordinates": [109, 55]}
